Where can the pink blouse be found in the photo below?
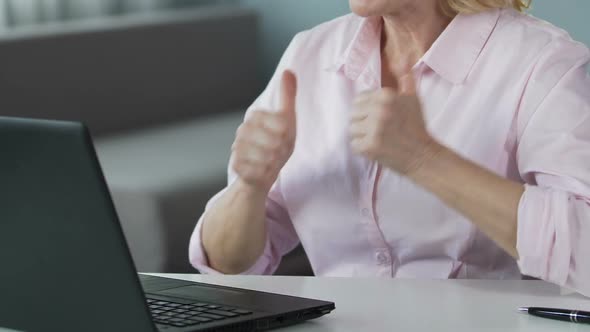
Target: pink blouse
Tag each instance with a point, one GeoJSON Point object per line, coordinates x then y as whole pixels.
{"type": "Point", "coordinates": [505, 90]}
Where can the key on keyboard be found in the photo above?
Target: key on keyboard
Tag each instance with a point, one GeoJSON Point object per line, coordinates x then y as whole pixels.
{"type": "Point", "coordinates": [181, 315]}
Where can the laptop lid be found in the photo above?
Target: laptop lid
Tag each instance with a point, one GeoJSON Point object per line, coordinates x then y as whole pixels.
{"type": "Point", "coordinates": [65, 262]}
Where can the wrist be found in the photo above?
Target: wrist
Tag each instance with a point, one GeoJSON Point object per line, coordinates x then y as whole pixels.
{"type": "Point", "coordinates": [248, 189]}
{"type": "Point", "coordinates": [429, 161]}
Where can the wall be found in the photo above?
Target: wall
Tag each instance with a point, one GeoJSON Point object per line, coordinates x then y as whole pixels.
{"type": "Point", "coordinates": [572, 15]}
{"type": "Point", "coordinates": [26, 12]}
{"type": "Point", "coordinates": [281, 19]}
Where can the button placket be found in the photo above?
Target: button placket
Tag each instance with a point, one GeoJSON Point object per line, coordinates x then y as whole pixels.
{"type": "Point", "coordinates": [383, 258]}
{"type": "Point", "coordinates": [366, 203]}
{"type": "Point", "coordinates": [366, 213]}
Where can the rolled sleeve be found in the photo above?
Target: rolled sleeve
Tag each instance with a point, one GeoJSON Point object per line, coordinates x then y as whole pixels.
{"type": "Point", "coordinates": [543, 237]}
{"type": "Point", "coordinates": [553, 237]}
{"type": "Point", "coordinates": [553, 156]}
{"type": "Point", "coordinates": [198, 257]}
{"type": "Point", "coordinates": [281, 238]}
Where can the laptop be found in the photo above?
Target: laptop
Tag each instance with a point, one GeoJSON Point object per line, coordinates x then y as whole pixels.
{"type": "Point", "coordinates": [66, 265]}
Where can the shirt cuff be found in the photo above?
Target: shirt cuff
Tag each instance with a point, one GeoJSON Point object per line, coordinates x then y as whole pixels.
{"type": "Point", "coordinates": [543, 241]}
{"type": "Point", "coordinates": [198, 257]}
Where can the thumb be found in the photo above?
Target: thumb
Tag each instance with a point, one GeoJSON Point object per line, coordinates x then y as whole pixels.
{"type": "Point", "coordinates": [407, 84]}
{"type": "Point", "coordinates": [288, 93]}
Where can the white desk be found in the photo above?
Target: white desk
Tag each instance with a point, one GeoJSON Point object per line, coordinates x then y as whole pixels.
{"type": "Point", "coordinates": [417, 305]}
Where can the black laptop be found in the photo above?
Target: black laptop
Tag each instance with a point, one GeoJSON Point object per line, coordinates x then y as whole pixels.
{"type": "Point", "coordinates": [65, 265]}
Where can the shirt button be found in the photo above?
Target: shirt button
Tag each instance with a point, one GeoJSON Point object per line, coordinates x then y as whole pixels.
{"type": "Point", "coordinates": [382, 258]}
{"type": "Point", "coordinates": [366, 213]}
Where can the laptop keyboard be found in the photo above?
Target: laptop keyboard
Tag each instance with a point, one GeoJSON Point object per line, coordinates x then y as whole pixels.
{"type": "Point", "coordinates": [181, 315]}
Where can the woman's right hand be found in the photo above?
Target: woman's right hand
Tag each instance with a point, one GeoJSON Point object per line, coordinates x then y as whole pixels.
{"type": "Point", "coordinates": [265, 141]}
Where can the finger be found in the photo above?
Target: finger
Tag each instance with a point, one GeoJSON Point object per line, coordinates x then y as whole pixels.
{"type": "Point", "coordinates": [277, 123]}
{"type": "Point", "coordinates": [288, 93]}
{"type": "Point", "coordinates": [357, 145]}
{"type": "Point", "coordinates": [359, 115]}
{"type": "Point", "coordinates": [356, 131]}
{"type": "Point", "coordinates": [264, 158]}
{"type": "Point", "coordinates": [255, 115]}
{"type": "Point", "coordinates": [367, 99]}
{"type": "Point", "coordinates": [364, 96]}
{"type": "Point", "coordinates": [262, 139]}
{"type": "Point", "coordinates": [246, 151]}
{"type": "Point", "coordinates": [251, 163]}
{"type": "Point", "coordinates": [362, 105]}
{"type": "Point", "coordinates": [250, 172]}
{"type": "Point", "coordinates": [264, 120]}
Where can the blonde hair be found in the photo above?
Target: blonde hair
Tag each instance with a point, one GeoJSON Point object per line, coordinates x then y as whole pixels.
{"type": "Point", "coordinates": [453, 7]}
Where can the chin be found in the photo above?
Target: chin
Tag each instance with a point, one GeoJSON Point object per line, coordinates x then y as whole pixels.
{"type": "Point", "coordinates": [362, 7]}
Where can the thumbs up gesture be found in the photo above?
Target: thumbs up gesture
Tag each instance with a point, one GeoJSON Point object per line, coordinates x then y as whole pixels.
{"type": "Point", "coordinates": [388, 127]}
{"type": "Point", "coordinates": [265, 141]}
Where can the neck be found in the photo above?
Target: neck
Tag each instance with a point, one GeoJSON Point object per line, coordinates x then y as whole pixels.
{"type": "Point", "coordinates": [409, 33]}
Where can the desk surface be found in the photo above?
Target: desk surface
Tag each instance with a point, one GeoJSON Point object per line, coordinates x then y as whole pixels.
{"type": "Point", "coordinates": [397, 305]}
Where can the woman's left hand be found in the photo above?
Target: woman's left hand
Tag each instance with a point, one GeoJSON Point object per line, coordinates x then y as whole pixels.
{"type": "Point", "coordinates": [388, 127]}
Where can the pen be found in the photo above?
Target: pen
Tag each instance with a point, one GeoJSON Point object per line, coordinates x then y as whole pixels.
{"type": "Point", "coordinates": [574, 316]}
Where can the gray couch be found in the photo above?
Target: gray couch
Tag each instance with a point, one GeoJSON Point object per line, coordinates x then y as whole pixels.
{"type": "Point", "coordinates": [162, 95]}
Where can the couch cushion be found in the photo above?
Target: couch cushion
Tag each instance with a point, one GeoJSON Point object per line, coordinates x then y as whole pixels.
{"type": "Point", "coordinates": [170, 156]}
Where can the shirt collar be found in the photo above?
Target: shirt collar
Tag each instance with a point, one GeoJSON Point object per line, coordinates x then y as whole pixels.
{"type": "Point", "coordinates": [358, 53]}
{"type": "Point", "coordinates": [452, 55]}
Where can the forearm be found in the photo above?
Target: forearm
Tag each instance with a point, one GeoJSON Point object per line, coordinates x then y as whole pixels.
{"type": "Point", "coordinates": [234, 229]}
{"type": "Point", "coordinates": [488, 200]}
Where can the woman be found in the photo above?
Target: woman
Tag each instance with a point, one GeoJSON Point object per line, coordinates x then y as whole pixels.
{"type": "Point", "coordinates": [425, 139]}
